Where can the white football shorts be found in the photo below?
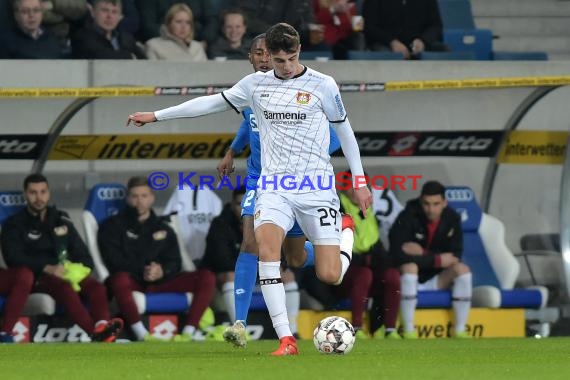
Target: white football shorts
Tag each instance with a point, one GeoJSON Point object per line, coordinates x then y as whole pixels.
{"type": "Point", "coordinates": [316, 212]}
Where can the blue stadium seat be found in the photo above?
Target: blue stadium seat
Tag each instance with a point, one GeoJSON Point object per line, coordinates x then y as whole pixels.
{"type": "Point", "coordinates": [447, 56]}
{"type": "Point", "coordinates": [460, 32]}
{"type": "Point", "coordinates": [477, 41]}
{"type": "Point", "coordinates": [316, 55]}
{"type": "Point", "coordinates": [108, 199]}
{"type": "Point", "coordinates": [10, 203]}
{"type": "Point", "coordinates": [375, 55]}
{"type": "Point", "coordinates": [105, 199]}
{"type": "Point", "coordinates": [520, 56]}
{"type": "Point", "coordinates": [485, 251]}
{"type": "Point", "coordinates": [456, 14]}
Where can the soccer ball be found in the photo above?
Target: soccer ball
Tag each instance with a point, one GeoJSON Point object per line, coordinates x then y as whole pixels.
{"type": "Point", "coordinates": [334, 335]}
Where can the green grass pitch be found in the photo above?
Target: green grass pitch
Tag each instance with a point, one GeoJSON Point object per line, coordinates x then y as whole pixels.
{"type": "Point", "coordinates": [372, 359]}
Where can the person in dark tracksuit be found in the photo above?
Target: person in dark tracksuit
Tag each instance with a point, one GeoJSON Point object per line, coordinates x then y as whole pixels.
{"type": "Point", "coordinates": [38, 240]}
{"type": "Point", "coordinates": [426, 241]}
{"type": "Point", "coordinates": [141, 252]}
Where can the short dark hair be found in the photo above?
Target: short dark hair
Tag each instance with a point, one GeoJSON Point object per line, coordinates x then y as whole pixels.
{"type": "Point", "coordinates": [112, 2]}
{"type": "Point", "coordinates": [232, 11]}
{"type": "Point", "coordinates": [433, 188]}
{"type": "Point", "coordinates": [284, 37]}
{"type": "Point", "coordinates": [34, 178]}
{"type": "Point", "coordinates": [255, 39]}
{"type": "Point", "coordinates": [136, 182]}
{"type": "Point", "coordinates": [238, 191]}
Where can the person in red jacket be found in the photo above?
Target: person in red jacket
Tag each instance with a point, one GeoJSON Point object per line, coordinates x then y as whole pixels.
{"type": "Point", "coordinates": [343, 27]}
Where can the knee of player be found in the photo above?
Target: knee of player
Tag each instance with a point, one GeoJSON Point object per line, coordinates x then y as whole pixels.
{"type": "Point", "coordinates": [411, 268]}
{"type": "Point", "coordinates": [461, 268]}
{"type": "Point", "coordinates": [249, 245]}
{"type": "Point", "coordinates": [390, 276]}
{"type": "Point", "coordinates": [120, 280]}
{"type": "Point", "coordinates": [328, 275]}
{"type": "Point", "coordinates": [365, 276]}
{"type": "Point", "coordinates": [25, 277]}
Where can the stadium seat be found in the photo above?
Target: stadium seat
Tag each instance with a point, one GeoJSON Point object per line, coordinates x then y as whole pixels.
{"type": "Point", "coordinates": [374, 55]}
{"type": "Point", "coordinates": [316, 55]}
{"type": "Point", "coordinates": [456, 14]}
{"type": "Point", "coordinates": [105, 200]}
{"type": "Point", "coordinates": [477, 41]}
{"type": "Point", "coordinates": [38, 303]}
{"type": "Point", "coordinates": [491, 262]}
{"type": "Point", "coordinates": [460, 32]}
{"type": "Point", "coordinates": [447, 56]}
{"type": "Point", "coordinates": [520, 56]}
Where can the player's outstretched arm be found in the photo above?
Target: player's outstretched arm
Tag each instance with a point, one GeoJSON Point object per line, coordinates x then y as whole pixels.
{"type": "Point", "coordinates": [138, 119]}
{"type": "Point", "coordinates": [203, 105]}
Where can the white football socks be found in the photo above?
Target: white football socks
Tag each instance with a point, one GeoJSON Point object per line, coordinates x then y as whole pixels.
{"type": "Point", "coordinates": [229, 301]}
{"type": "Point", "coordinates": [274, 296]}
{"type": "Point", "coordinates": [409, 299]}
{"type": "Point", "coordinates": [346, 243]}
{"type": "Point", "coordinates": [139, 330]}
{"type": "Point", "coordinates": [462, 290]}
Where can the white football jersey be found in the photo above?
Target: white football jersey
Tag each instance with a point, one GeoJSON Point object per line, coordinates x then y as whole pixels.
{"type": "Point", "coordinates": [386, 208]}
{"type": "Point", "coordinates": [196, 210]}
{"type": "Point", "coordinates": [293, 118]}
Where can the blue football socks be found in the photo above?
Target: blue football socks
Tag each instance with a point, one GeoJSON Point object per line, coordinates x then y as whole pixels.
{"type": "Point", "coordinates": [245, 277]}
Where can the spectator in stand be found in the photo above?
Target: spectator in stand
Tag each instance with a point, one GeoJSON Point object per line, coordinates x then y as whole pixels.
{"type": "Point", "coordinates": [408, 27]}
{"type": "Point", "coordinates": [153, 12]}
{"type": "Point", "coordinates": [42, 243]}
{"type": "Point", "coordinates": [142, 254]}
{"type": "Point", "coordinates": [6, 16]}
{"type": "Point", "coordinates": [28, 39]}
{"type": "Point", "coordinates": [426, 241]}
{"type": "Point", "coordinates": [343, 27]}
{"type": "Point", "coordinates": [63, 17]}
{"type": "Point", "coordinates": [100, 39]}
{"type": "Point", "coordinates": [232, 44]}
{"type": "Point", "coordinates": [261, 14]}
{"type": "Point", "coordinates": [176, 41]}
{"type": "Point", "coordinates": [130, 22]}
{"type": "Point", "coordinates": [15, 285]}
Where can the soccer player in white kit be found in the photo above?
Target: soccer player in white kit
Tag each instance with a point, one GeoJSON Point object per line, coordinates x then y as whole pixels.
{"type": "Point", "coordinates": [293, 105]}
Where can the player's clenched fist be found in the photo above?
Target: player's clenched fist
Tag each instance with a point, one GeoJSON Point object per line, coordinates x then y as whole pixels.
{"type": "Point", "coordinates": [138, 119]}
